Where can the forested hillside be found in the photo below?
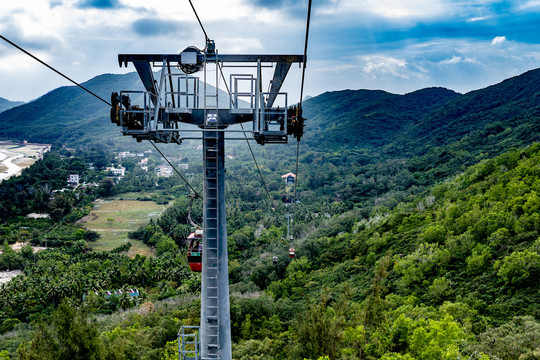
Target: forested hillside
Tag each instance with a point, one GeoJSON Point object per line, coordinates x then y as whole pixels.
{"type": "Point", "coordinates": [367, 119]}
{"type": "Point", "coordinates": [70, 115]}
{"type": "Point", "coordinates": [450, 273]}
{"type": "Point", "coordinates": [509, 107]}
{"type": "Point", "coordinates": [408, 245]}
{"type": "Point", "coordinates": [67, 115]}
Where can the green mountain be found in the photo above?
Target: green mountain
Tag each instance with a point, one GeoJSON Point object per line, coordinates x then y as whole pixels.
{"type": "Point", "coordinates": [398, 141]}
{"type": "Point", "coordinates": [70, 116]}
{"type": "Point", "coordinates": [385, 124]}
{"type": "Point", "coordinates": [511, 107]}
{"type": "Point", "coordinates": [403, 250]}
{"type": "Point", "coordinates": [6, 104]}
{"type": "Point", "coordinates": [411, 124]}
{"type": "Point", "coordinates": [367, 118]}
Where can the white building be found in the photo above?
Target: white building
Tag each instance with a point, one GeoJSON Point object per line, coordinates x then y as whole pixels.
{"type": "Point", "coordinates": [119, 171]}
{"type": "Point", "coordinates": [164, 171]}
{"type": "Point", "coordinates": [73, 179]}
{"type": "Point", "coordinates": [125, 154]}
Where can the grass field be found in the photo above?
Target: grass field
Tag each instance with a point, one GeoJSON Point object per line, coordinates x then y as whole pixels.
{"type": "Point", "coordinates": [113, 219]}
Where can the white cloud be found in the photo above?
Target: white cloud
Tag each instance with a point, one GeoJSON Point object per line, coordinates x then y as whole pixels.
{"type": "Point", "coordinates": [498, 40]}
{"type": "Point", "coordinates": [384, 65]}
{"type": "Point", "coordinates": [390, 9]}
{"type": "Point", "coordinates": [240, 45]}
{"type": "Point", "coordinates": [454, 60]}
{"type": "Point", "coordinates": [457, 60]}
{"type": "Point", "coordinates": [528, 5]}
{"type": "Point", "coordinates": [474, 19]}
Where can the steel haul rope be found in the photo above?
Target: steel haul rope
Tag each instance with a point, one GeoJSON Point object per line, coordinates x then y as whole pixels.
{"type": "Point", "coordinates": [93, 94]}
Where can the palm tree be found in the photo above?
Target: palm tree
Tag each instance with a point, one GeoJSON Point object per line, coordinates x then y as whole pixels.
{"type": "Point", "coordinates": [124, 301]}
{"type": "Point", "coordinates": [52, 293]}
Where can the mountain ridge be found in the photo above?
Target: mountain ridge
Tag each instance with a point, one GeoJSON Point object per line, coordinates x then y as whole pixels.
{"type": "Point", "coordinates": [385, 124]}
{"type": "Point", "coordinates": [511, 102]}
{"type": "Point", "coordinates": [6, 104]}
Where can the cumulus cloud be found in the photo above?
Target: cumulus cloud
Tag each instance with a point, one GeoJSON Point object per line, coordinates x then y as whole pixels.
{"type": "Point", "coordinates": [396, 45]}
{"type": "Point", "coordinates": [498, 40]}
{"type": "Point", "coordinates": [384, 65]}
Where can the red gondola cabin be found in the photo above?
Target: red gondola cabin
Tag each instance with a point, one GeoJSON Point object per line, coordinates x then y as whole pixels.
{"type": "Point", "coordinates": [291, 252]}
{"type": "Point", "coordinates": [195, 250]}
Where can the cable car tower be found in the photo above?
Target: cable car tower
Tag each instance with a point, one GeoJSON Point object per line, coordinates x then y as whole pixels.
{"type": "Point", "coordinates": [159, 113]}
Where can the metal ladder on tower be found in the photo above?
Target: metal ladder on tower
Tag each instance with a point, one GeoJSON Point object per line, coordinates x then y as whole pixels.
{"type": "Point", "coordinates": [212, 255]}
{"type": "Point", "coordinates": [212, 217]}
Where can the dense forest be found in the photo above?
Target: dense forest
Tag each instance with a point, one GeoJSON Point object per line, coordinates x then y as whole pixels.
{"type": "Point", "coordinates": [415, 241]}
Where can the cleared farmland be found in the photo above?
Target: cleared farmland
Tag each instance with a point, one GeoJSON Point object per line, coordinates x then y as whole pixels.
{"type": "Point", "coordinates": [113, 219]}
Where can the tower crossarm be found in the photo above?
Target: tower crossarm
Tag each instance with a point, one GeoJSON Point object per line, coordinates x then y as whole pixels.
{"type": "Point", "coordinates": [144, 62]}
{"type": "Point", "coordinates": [124, 59]}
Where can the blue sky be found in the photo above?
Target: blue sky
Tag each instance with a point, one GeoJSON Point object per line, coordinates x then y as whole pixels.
{"type": "Point", "coordinates": [394, 45]}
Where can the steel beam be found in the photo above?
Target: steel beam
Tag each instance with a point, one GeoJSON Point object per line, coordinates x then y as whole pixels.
{"type": "Point", "coordinates": [147, 77]}
{"type": "Point", "coordinates": [282, 68]}
{"type": "Point", "coordinates": [124, 59]}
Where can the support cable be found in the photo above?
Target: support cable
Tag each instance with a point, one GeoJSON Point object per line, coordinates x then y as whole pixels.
{"type": "Point", "coordinates": [53, 69]}
{"type": "Point", "coordinates": [258, 168]}
{"type": "Point", "coordinates": [179, 174]}
{"type": "Point", "coordinates": [301, 99]}
{"type": "Point", "coordinates": [296, 172]}
{"type": "Point", "coordinates": [305, 52]}
{"type": "Point", "coordinates": [247, 141]}
{"type": "Point", "coordinates": [95, 95]}
{"type": "Point", "coordinates": [199, 20]}
{"type": "Point", "coordinates": [241, 125]}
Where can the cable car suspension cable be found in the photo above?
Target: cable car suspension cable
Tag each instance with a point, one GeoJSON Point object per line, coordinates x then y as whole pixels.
{"type": "Point", "coordinates": [192, 223]}
{"type": "Point", "coordinates": [229, 92]}
{"type": "Point", "coordinates": [53, 69]}
{"type": "Point", "coordinates": [176, 170]}
{"type": "Point", "coordinates": [199, 20]}
{"type": "Point", "coordinates": [95, 95]}
{"type": "Point", "coordinates": [305, 52]}
{"type": "Point", "coordinates": [249, 145]}
{"type": "Point", "coordinates": [301, 100]}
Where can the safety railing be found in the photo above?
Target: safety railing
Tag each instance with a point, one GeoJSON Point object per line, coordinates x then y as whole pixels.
{"type": "Point", "coordinates": [188, 343]}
